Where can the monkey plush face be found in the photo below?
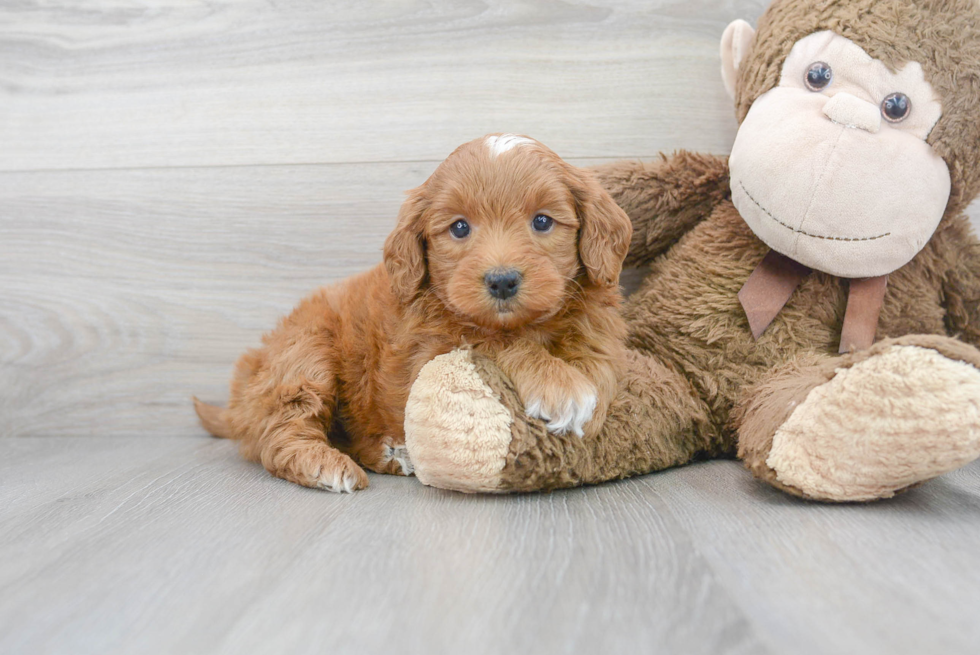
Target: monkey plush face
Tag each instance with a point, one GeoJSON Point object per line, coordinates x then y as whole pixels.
{"type": "Point", "coordinates": [831, 166]}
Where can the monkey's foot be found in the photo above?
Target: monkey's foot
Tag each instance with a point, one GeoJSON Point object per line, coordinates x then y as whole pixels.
{"type": "Point", "coordinates": [890, 421]}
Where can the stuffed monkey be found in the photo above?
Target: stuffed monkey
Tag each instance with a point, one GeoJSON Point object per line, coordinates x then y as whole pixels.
{"type": "Point", "coordinates": [813, 301]}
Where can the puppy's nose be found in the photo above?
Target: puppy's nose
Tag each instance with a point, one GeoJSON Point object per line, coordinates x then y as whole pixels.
{"type": "Point", "coordinates": [503, 283]}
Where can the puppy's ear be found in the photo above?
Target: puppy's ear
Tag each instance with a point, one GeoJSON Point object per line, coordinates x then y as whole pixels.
{"type": "Point", "coordinates": [404, 251]}
{"type": "Point", "coordinates": [605, 231]}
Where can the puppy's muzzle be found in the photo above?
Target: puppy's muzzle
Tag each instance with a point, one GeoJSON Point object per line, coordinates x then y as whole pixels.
{"type": "Point", "coordinates": [503, 283]}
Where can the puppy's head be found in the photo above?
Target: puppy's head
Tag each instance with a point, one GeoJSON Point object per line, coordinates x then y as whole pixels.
{"type": "Point", "coordinates": [503, 230]}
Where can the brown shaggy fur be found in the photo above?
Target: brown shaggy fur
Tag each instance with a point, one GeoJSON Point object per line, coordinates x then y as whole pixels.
{"type": "Point", "coordinates": [343, 362]}
{"type": "Point", "coordinates": [698, 384]}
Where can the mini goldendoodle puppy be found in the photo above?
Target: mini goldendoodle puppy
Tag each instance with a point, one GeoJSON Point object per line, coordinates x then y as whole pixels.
{"type": "Point", "coordinates": [506, 249]}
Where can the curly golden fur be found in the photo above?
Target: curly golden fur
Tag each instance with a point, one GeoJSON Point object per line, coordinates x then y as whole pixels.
{"type": "Point", "coordinates": [327, 390]}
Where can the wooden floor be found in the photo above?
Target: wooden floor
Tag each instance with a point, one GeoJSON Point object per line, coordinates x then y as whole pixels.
{"type": "Point", "coordinates": [176, 175]}
{"type": "Point", "coordinates": [120, 545]}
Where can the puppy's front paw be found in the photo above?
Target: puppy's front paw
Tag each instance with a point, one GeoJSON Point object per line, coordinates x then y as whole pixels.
{"type": "Point", "coordinates": [346, 478]}
{"type": "Point", "coordinates": [320, 466]}
{"type": "Point", "coordinates": [566, 406]}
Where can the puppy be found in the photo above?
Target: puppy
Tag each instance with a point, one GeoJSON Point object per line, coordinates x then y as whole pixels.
{"type": "Point", "coordinates": [505, 249]}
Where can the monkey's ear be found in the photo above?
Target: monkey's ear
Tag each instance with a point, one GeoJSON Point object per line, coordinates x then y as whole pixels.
{"type": "Point", "coordinates": [605, 230]}
{"type": "Point", "coordinates": [404, 251]}
{"type": "Point", "coordinates": [735, 45]}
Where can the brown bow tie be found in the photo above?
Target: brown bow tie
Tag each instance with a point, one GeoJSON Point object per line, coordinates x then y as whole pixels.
{"type": "Point", "coordinates": [773, 281]}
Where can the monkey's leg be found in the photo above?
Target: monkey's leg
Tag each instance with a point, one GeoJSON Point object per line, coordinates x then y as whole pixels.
{"type": "Point", "coordinates": [466, 429]}
{"type": "Point", "coordinates": [865, 425]}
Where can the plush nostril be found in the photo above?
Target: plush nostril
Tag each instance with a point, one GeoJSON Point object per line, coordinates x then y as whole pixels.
{"type": "Point", "coordinates": [503, 283]}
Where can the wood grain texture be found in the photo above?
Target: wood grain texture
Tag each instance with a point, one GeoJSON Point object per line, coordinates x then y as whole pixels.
{"type": "Point", "coordinates": [125, 545]}
{"type": "Point", "coordinates": [178, 546]}
{"type": "Point", "coordinates": [897, 576]}
{"type": "Point", "coordinates": [127, 291]}
{"type": "Point", "coordinates": [233, 82]}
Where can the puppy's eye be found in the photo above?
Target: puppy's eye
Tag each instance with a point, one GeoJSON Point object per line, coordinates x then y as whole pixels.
{"type": "Point", "coordinates": [542, 223]}
{"type": "Point", "coordinates": [460, 229]}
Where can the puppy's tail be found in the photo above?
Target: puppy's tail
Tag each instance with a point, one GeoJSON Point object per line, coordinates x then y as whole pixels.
{"type": "Point", "coordinates": [213, 419]}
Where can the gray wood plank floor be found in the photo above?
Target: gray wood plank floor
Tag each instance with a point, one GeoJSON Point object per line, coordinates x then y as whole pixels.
{"type": "Point", "coordinates": [116, 545]}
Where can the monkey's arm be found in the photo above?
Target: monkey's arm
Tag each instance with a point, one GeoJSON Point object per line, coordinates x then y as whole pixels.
{"type": "Point", "coordinates": [664, 198]}
{"type": "Point", "coordinates": [961, 283]}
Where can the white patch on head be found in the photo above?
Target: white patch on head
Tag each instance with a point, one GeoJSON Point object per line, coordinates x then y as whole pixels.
{"type": "Point", "coordinates": [498, 145]}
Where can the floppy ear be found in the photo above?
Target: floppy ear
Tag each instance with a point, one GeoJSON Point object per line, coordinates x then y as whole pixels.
{"type": "Point", "coordinates": [404, 251]}
{"type": "Point", "coordinates": [605, 230]}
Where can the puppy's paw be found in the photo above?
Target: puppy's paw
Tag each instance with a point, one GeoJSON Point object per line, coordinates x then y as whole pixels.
{"type": "Point", "coordinates": [321, 467]}
{"type": "Point", "coordinates": [346, 479]}
{"type": "Point", "coordinates": [567, 406]}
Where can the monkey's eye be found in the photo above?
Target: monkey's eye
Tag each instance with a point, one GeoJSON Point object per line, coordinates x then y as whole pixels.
{"type": "Point", "coordinates": [818, 76]}
{"type": "Point", "coordinates": [542, 223]}
{"type": "Point", "coordinates": [460, 229]}
{"type": "Point", "coordinates": [896, 107]}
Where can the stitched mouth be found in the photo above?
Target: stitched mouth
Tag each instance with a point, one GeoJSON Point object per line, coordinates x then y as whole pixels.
{"type": "Point", "coordinates": [803, 232]}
